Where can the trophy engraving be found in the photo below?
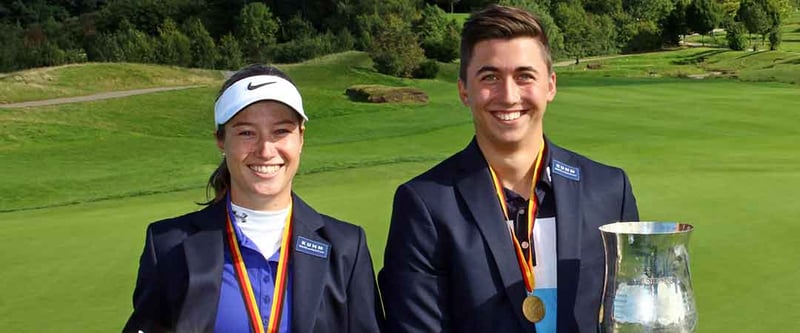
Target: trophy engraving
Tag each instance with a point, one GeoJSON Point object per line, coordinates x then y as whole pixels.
{"type": "Point", "coordinates": [648, 287]}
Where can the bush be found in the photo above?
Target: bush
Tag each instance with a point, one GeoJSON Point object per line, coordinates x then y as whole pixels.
{"type": "Point", "coordinates": [735, 35]}
{"type": "Point", "coordinates": [644, 36]}
{"type": "Point", "coordinates": [427, 70]}
{"type": "Point", "coordinates": [46, 54]}
{"type": "Point", "coordinates": [345, 40]}
{"type": "Point", "coordinates": [302, 49]}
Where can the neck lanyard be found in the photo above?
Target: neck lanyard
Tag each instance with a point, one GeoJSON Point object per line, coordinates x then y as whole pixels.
{"type": "Point", "coordinates": [244, 280]}
{"type": "Point", "coordinates": [532, 306]}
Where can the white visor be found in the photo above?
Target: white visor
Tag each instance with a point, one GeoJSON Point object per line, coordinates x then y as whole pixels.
{"type": "Point", "coordinates": [254, 89]}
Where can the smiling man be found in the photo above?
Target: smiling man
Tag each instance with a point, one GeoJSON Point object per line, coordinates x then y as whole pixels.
{"type": "Point", "coordinates": [502, 236]}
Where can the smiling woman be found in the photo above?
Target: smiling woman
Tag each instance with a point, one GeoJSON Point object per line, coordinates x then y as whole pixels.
{"type": "Point", "coordinates": [257, 258]}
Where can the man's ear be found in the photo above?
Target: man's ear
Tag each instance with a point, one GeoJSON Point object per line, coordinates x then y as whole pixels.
{"type": "Point", "coordinates": [462, 92]}
{"type": "Point", "coordinates": [551, 88]}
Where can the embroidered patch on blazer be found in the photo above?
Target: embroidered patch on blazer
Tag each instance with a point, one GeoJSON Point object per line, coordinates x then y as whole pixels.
{"type": "Point", "coordinates": [566, 170]}
{"type": "Point", "coordinates": [314, 248]}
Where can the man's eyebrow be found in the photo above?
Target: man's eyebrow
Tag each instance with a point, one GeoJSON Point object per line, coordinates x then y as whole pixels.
{"type": "Point", "coordinates": [486, 69]}
{"type": "Point", "coordinates": [493, 69]}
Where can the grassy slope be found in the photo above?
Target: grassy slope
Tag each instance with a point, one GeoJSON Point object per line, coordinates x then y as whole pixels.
{"type": "Point", "coordinates": [716, 153]}
{"type": "Point", "coordinates": [85, 79]}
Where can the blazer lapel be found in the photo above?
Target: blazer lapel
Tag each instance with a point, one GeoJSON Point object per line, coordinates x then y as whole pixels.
{"type": "Point", "coordinates": [568, 208]}
{"type": "Point", "coordinates": [569, 224]}
{"type": "Point", "coordinates": [204, 260]}
{"type": "Point", "coordinates": [308, 271]}
{"type": "Point", "coordinates": [475, 186]}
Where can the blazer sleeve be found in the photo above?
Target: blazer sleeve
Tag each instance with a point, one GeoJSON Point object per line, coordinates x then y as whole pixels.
{"type": "Point", "coordinates": [629, 210]}
{"type": "Point", "coordinates": [147, 294]}
{"type": "Point", "coordinates": [364, 302]}
{"type": "Point", "coordinates": [413, 284]}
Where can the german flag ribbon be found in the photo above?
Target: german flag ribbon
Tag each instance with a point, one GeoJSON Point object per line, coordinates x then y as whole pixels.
{"type": "Point", "coordinates": [525, 266]}
{"type": "Point", "coordinates": [279, 292]}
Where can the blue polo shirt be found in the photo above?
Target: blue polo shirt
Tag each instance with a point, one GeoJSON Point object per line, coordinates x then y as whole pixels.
{"type": "Point", "coordinates": [232, 314]}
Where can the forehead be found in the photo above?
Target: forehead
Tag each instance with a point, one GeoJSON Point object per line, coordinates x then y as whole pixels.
{"type": "Point", "coordinates": [507, 54]}
{"type": "Point", "coordinates": [265, 113]}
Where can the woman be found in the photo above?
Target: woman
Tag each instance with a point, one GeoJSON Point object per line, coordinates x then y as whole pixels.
{"type": "Point", "coordinates": [257, 258]}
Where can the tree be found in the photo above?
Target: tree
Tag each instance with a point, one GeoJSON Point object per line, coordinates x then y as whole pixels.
{"type": "Point", "coordinates": [135, 45]}
{"type": "Point", "coordinates": [549, 25]}
{"type": "Point", "coordinates": [296, 28]}
{"type": "Point", "coordinates": [229, 53]}
{"type": "Point", "coordinates": [702, 16]}
{"type": "Point", "coordinates": [174, 48]}
{"type": "Point", "coordinates": [574, 22]}
{"type": "Point", "coordinates": [12, 50]}
{"type": "Point", "coordinates": [438, 34]}
{"type": "Point", "coordinates": [607, 7]}
{"type": "Point", "coordinates": [451, 3]}
{"type": "Point", "coordinates": [648, 10]}
{"type": "Point", "coordinates": [202, 48]}
{"type": "Point", "coordinates": [675, 26]}
{"type": "Point", "coordinates": [395, 50]}
{"type": "Point", "coordinates": [735, 36]}
{"type": "Point", "coordinates": [257, 31]}
{"type": "Point", "coordinates": [774, 39]}
{"type": "Point", "coordinates": [754, 15]}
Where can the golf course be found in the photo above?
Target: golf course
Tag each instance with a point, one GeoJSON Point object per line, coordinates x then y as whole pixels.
{"type": "Point", "coordinates": [708, 137]}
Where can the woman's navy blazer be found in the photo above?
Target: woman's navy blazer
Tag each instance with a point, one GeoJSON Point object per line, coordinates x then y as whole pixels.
{"type": "Point", "coordinates": [180, 272]}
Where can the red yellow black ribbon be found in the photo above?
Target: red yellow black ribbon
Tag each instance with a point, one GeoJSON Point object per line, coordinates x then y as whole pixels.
{"type": "Point", "coordinates": [244, 280]}
{"type": "Point", "coordinates": [525, 267]}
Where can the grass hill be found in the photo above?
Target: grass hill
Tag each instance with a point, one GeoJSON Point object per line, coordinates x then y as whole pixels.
{"type": "Point", "coordinates": [80, 182]}
{"type": "Point", "coordinates": [84, 79]}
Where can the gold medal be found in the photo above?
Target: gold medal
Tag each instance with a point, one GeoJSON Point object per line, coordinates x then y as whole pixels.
{"type": "Point", "coordinates": [533, 309]}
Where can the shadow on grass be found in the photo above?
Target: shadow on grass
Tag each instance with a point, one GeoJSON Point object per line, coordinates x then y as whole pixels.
{"type": "Point", "coordinates": [697, 58]}
{"type": "Point", "coordinates": [751, 54]}
{"type": "Point", "coordinates": [577, 80]}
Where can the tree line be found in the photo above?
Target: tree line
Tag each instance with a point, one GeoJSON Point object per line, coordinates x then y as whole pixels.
{"type": "Point", "coordinates": [403, 37]}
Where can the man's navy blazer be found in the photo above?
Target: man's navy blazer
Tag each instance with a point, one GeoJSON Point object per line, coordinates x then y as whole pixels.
{"type": "Point", "coordinates": [450, 264]}
{"type": "Point", "coordinates": [180, 272]}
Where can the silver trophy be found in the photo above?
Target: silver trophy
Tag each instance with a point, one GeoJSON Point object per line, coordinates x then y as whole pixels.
{"type": "Point", "coordinates": [648, 288]}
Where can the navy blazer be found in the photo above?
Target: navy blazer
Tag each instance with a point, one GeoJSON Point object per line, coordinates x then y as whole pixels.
{"type": "Point", "coordinates": [450, 264]}
{"type": "Point", "coordinates": [180, 272]}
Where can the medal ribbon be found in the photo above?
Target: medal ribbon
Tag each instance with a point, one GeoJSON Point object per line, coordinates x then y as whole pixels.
{"type": "Point", "coordinates": [526, 267]}
{"type": "Point", "coordinates": [244, 280]}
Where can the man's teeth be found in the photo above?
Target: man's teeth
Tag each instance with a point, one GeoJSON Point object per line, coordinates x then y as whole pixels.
{"type": "Point", "coordinates": [265, 168]}
{"type": "Point", "coordinates": [508, 115]}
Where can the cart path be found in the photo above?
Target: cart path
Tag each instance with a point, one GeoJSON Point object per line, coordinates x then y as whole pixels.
{"type": "Point", "coordinates": [94, 97]}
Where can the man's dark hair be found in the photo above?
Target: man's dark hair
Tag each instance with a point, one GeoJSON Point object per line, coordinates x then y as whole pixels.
{"type": "Point", "coordinates": [500, 22]}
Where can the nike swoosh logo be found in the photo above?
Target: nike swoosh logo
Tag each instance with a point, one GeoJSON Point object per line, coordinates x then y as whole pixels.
{"type": "Point", "coordinates": [251, 86]}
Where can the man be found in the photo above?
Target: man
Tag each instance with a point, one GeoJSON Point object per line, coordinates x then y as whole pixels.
{"type": "Point", "coordinates": [503, 236]}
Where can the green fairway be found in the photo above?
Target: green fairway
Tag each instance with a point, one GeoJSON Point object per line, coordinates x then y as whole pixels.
{"type": "Point", "coordinates": [80, 182]}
